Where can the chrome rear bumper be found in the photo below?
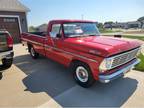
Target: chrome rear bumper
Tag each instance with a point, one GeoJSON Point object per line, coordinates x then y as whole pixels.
{"type": "Point", "coordinates": [7, 55]}
{"type": "Point", "coordinates": [115, 75]}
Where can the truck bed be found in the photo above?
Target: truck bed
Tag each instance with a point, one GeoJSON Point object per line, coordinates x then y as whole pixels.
{"type": "Point", "coordinates": [41, 34]}
{"type": "Point", "coordinates": [33, 37]}
{"type": "Point", "coordinates": [37, 39]}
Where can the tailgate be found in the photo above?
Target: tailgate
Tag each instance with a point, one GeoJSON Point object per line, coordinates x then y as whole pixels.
{"type": "Point", "coordinates": [3, 42]}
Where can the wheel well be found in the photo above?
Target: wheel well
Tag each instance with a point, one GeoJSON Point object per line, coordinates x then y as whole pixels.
{"type": "Point", "coordinates": [73, 62]}
{"type": "Point", "coordinates": [29, 47]}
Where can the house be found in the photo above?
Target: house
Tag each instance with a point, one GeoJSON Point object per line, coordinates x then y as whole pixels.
{"type": "Point", "coordinates": [123, 25]}
{"type": "Point", "coordinates": [133, 24]}
{"type": "Point", "coordinates": [13, 18]}
{"type": "Point", "coordinates": [42, 28]}
{"type": "Point", "coordinates": [108, 24]}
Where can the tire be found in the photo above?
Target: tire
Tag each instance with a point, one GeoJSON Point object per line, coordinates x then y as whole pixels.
{"type": "Point", "coordinates": [33, 53]}
{"type": "Point", "coordinates": [6, 63]}
{"type": "Point", "coordinates": [1, 76]}
{"type": "Point", "coordinates": [83, 75]}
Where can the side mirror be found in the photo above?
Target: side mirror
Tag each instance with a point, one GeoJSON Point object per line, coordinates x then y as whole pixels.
{"type": "Point", "coordinates": [118, 36]}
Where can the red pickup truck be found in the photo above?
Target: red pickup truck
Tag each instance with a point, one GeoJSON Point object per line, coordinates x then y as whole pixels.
{"type": "Point", "coordinates": [6, 50]}
{"type": "Point", "coordinates": [78, 44]}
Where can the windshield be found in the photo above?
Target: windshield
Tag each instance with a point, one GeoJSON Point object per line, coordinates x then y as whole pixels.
{"type": "Point", "coordinates": [80, 29]}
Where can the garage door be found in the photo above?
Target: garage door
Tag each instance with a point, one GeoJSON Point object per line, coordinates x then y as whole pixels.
{"type": "Point", "coordinates": [11, 25]}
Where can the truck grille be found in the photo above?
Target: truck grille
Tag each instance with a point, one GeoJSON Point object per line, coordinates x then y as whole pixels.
{"type": "Point", "coordinates": [124, 58]}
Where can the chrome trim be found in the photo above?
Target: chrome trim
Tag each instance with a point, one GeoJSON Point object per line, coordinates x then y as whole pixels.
{"type": "Point", "coordinates": [47, 46]}
{"type": "Point", "coordinates": [4, 54]}
{"type": "Point", "coordinates": [108, 78]}
{"type": "Point", "coordinates": [32, 42]}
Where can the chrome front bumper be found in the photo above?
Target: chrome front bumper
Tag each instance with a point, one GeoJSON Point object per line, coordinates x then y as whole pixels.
{"type": "Point", "coordinates": [115, 75]}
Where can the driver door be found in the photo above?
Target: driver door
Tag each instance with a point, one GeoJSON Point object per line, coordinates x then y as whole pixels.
{"type": "Point", "coordinates": [55, 43]}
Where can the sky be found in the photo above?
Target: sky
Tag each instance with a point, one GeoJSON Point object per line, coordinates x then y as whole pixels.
{"type": "Point", "coordinates": [43, 11]}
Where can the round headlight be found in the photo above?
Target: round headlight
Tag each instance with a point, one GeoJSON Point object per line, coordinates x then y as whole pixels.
{"type": "Point", "coordinates": [105, 65]}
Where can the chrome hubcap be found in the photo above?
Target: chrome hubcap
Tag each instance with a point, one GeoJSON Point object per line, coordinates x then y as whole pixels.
{"type": "Point", "coordinates": [32, 52]}
{"type": "Point", "coordinates": [82, 74]}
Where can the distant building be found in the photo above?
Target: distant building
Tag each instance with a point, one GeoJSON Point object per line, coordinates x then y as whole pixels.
{"type": "Point", "coordinates": [42, 28]}
{"type": "Point", "coordinates": [108, 24]}
{"type": "Point", "coordinates": [13, 18]}
{"type": "Point", "coordinates": [118, 25]}
{"type": "Point", "coordinates": [124, 25]}
{"type": "Point", "coordinates": [134, 24]}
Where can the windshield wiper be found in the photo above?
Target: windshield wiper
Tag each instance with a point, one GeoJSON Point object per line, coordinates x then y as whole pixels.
{"type": "Point", "coordinates": [94, 34]}
{"type": "Point", "coordinates": [78, 35]}
{"type": "Point", "coordinates": [84, 35]}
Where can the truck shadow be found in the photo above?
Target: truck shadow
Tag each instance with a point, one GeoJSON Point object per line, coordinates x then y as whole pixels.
{"type": "Point", "coordinates": [2, 69]}
{"type": "Point", "coordinates": [47, 76]}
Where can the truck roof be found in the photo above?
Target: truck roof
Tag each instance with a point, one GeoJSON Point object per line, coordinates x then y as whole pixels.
{"type": "Point", "coordinates": [68, 20]}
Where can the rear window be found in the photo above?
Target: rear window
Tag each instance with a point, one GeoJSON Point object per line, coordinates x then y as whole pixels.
{"type": "Point", "coordinates": [3, 42]}
{"type": "Point", "coordinates": [3, 37]}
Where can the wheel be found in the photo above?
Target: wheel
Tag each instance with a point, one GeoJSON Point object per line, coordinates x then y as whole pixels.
{"type": "Point", "coordinates": [6, 63]}
{"type": "Point", "coordinates": [33, 53]}
{"type": "Point", "coordinates": [1, 76]}
{"type": "Point", "coordinates": [83, 75]}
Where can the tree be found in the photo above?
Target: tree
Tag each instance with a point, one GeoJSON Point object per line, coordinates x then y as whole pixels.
{"type": "Point", "coordinates": [100, 25]}
{"type": "Point", "coordinates": [32, 29]}
{"type": "Point", "coordinates": [141, 20]}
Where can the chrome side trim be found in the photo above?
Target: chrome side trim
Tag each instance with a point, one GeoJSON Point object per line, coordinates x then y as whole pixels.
{"type": "Point", "coordinates": [70, 53]}
{"type": "Point", "coordinates": [33, 42]}
{"type": "Point", "coordinates": [108, 78]}
{"type": "Point", "coordinates": [47, 47]}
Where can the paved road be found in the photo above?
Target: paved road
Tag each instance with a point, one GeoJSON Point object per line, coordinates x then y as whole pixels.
{"type": "Point", "coordinates": [44, 83]}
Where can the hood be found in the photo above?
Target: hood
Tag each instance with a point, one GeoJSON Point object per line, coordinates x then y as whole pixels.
{"type": "Point", "coordinates": [102, 45]}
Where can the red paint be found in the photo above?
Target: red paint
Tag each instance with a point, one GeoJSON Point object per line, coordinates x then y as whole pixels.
{"type": "Point", "coordinates": [64, 50]}
{"type": "Point", "coordinates": [9, 41]}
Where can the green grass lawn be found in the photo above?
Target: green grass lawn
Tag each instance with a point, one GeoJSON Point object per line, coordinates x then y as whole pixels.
{"type": "Point", "coordinates": [108, 31]}
{"type": "Point", "coordinates": [140, 66]}
{"type": "Point", "coordinates": [134, 37]}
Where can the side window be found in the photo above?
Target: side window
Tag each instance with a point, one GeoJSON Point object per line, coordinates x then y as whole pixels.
{"type": "Point", "coordinates": [55, 30]}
